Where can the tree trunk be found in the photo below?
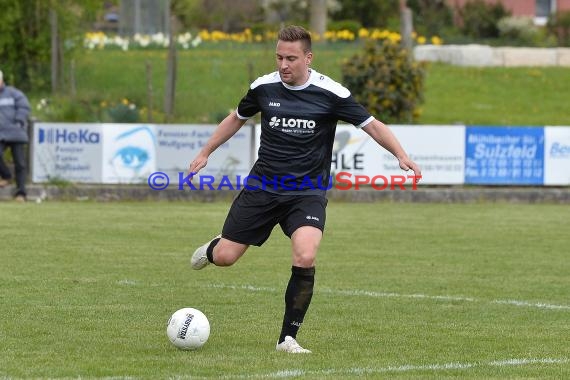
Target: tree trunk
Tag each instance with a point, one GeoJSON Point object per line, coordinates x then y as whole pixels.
{"type": "Point", "coordinates": [318, 17]}
{"type": "Point", "coordinates": [170, 88]}
{"type": "Point", "coordinates": [407, 28]}
{"type": "Point", "coordinates": [54, 51]}
{"type": "Point", "coordinates": [149, 91]}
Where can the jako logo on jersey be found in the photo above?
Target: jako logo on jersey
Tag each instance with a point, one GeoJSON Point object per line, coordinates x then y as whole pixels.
{"type": "Point", "coordinates": [274, 104]}
{"type": "Point", "coordinates": [291, 123]}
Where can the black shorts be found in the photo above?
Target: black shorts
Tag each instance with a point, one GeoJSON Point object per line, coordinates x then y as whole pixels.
{"type": "Point", "coordinates": [254, 213]}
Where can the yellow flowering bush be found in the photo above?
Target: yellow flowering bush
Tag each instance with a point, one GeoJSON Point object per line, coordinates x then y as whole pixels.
{"type": "Point", "coordinates": [385, 80]}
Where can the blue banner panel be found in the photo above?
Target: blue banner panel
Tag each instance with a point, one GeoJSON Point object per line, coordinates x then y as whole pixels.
{"type": "Point", "coordinates": [504, 155]}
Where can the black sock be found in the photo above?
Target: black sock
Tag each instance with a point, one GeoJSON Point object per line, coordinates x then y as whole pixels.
{"type": "Point", "coordinates": [210, 250]}
{"type": "Point", "coordinates": [297, 299]}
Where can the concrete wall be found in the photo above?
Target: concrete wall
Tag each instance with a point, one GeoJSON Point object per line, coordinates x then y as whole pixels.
{"type": "Point", "coordinates": [483, 55]}
{"type": "Point", "coordinates": [445, 194]}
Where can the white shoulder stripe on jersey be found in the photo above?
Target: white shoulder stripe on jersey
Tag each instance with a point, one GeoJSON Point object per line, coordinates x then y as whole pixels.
{"type": "Point", "coordinates": [242, 117]}
{"type": "Point", "coordinates": [365, 122]}
{"type": "Point", "coordinates": [328, 84]}
{"type": "Point", "coordinates": [266, 79]}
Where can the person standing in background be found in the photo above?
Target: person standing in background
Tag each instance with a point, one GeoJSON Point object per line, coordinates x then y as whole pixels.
{"type": "Point", "coordinates": [14, 113]}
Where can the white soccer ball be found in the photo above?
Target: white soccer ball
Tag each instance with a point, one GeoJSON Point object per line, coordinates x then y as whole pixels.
{"type": "Point", "coordinates": [188, 329]}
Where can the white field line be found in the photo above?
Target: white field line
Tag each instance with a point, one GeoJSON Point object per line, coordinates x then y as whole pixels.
{"type": "Point", "coordinates": [399, 369]}
{"type": "Point", "coordinates": [530, 304]}
{"type": "Point", "coordinates": [367, 293]}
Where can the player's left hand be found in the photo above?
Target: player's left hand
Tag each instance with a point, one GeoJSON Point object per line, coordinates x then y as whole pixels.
{"type": "Point", "coordinates": [407, 164]}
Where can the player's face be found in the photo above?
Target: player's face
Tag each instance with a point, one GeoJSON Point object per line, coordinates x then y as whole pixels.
{"type": "Point", "coordinates": [292, 62]}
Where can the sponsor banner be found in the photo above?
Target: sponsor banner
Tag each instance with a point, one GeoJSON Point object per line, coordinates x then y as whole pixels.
{"type": "Point", "coordinates": [128, 153]}
{"type": "Point", "coordinates": [439, 150]}
{"type": "Point", "coordinates": [177, 145]}
{"type": "Point", "coordinates": [504, 155]}
{"type": "Point", "coordinates": [557, 155]}
{"type": "Point", "coordinates": [69, 152]}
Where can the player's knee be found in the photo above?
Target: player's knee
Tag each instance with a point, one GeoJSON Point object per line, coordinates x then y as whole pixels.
{"type": "Point", "coordinates": [222, 260]}
{"type": "Point", "coordinates": [225, 256]}
{"type": "Point", "coordinates": [304, 259]}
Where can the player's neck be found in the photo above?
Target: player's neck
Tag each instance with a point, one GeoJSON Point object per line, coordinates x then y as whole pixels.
{"type": "Point", "coordinates": [308, 75]}
{"type": "Point", "coordinates": [305, 79]}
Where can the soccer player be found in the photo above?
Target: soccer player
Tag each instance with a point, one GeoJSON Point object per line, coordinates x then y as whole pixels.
{"type": "Point", "coordinates": [287, 184]}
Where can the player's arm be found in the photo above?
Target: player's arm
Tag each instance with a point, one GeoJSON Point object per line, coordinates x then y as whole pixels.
{"type": "Point", "coordinates": [384, 136]}
{"type": "Point", "coordinates": [226, 129]}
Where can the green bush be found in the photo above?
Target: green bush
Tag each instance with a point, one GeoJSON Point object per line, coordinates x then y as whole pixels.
{"type": "Point", "coordinates": [123, 113]}
{"type": "Point", "coordinates": [371, 13]}
{"type": "Point", "coordinates": [89, 109]}
{"type": "Point", "coordinates": [480, 19]}
{"type": "Point", "coordinates": [431, 17]}
{"type": "Point", "coordinates": [65, 109]}
{"type": "Point", "coordinates": [350, 25]}
{"type": "Point", "coordinates": [385, 79]}
{"type": "Point", "coordinates": [261, 28]}
{"type": "Point", "coordinates": [521, 31]}
{"type": "Point", "coordinates": [559, 26]}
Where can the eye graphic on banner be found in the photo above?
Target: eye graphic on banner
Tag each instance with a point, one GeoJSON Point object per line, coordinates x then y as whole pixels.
{"type": "Point", "coordinates": [131, 157]}
{"type": "Point", "coordinates": [133, 150]}
{"type": "Point", "coordinates": [130, 153]}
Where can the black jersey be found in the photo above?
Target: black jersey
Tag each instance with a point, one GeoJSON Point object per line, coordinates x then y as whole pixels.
{"type": "Point", "coordinates": [298, 125]}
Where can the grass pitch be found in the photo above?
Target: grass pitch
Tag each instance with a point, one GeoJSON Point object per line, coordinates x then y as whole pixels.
{"type": "Point", "coordinates": [402, 291]}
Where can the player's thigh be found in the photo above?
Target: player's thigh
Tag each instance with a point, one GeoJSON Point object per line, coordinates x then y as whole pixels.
{"type": "Point", "coordinates": [251, 218]}
{"type": "Point", "coordinates": [227, 252]}
{"type": "Point", "coordinates": [304, 210]}
{"type": "Point", "coordinates": [304, 224]}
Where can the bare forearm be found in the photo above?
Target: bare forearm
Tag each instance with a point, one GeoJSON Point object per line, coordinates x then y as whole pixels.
{"type": "Point", "coordinates": [385, 137]}
{"type": "Point", "coordinates": [387, 140]}
{"type": "Point", "coordinates": [226, 129]}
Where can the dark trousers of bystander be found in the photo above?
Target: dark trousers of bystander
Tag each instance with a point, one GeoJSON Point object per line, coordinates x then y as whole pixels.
{"type": "Point", "coordinates": [19, 158]}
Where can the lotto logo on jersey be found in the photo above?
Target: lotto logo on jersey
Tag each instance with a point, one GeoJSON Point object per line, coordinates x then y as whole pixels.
{"type": "Point", "coordinates": [291, 123]}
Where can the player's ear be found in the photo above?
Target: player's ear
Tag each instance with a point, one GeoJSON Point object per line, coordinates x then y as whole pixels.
{"type": "Point", "coordinates": [309, 58]}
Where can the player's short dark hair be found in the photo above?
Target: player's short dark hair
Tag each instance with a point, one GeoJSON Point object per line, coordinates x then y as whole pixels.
{"type": "Point", "coordinates": [294, 33]}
